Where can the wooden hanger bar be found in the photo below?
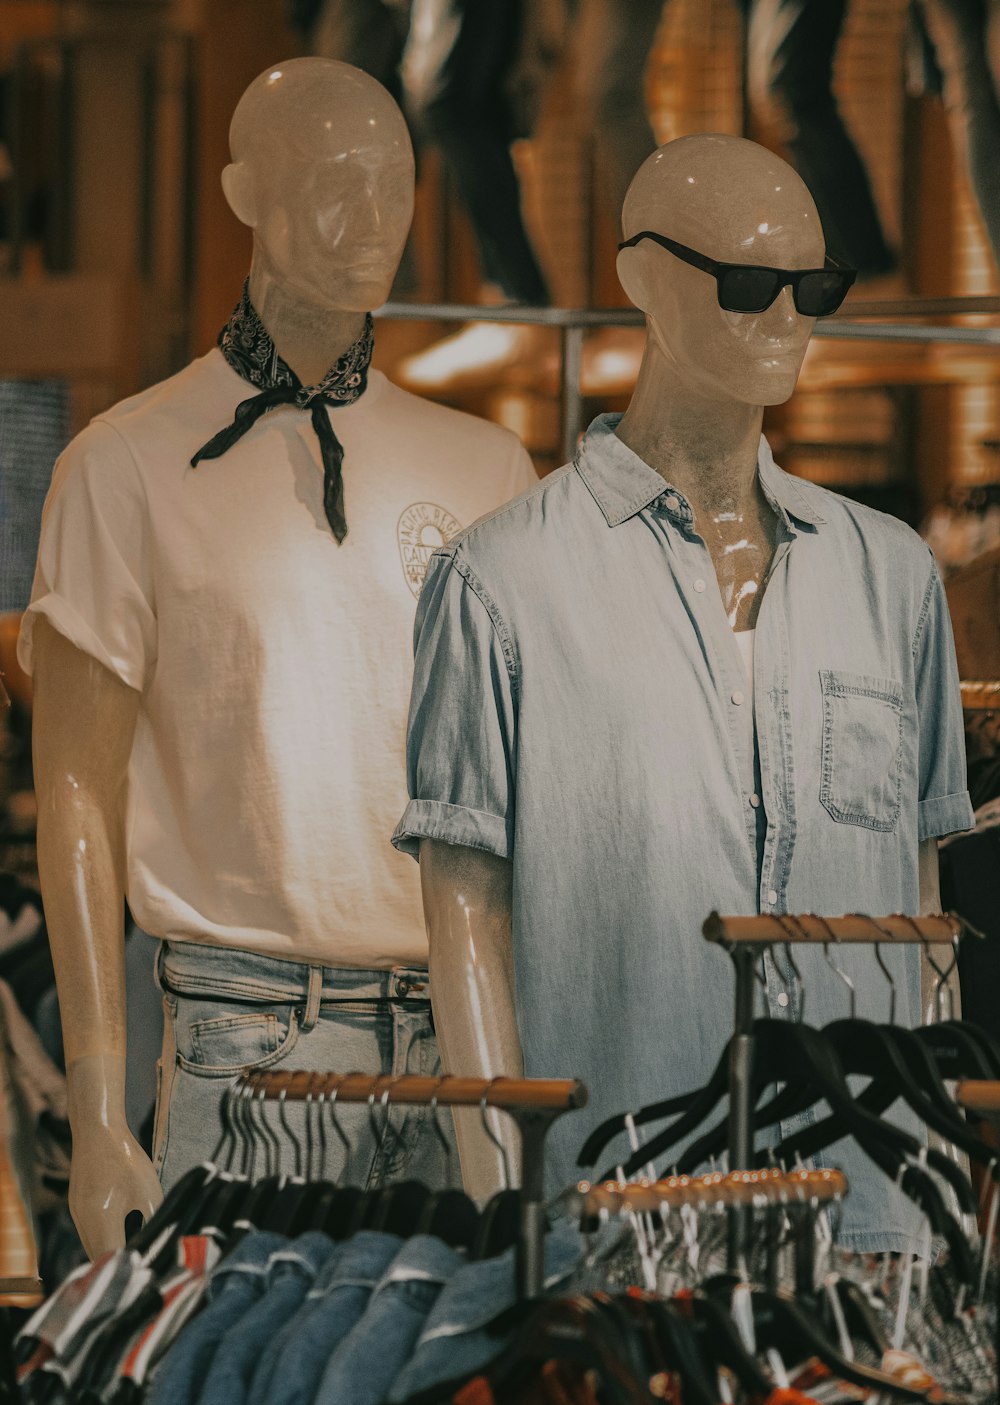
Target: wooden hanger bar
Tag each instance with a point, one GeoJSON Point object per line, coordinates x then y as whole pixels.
{"type": "Point", "coordinates": [980, 1095]}
{"type": "Point", "coordinates": [550, 1094]}
{"type": "Point", "coordinates": [980, 695]}
{"type": "Point", "coordinates": [533, 1103]}
{"type": "Point", "coordinates": [736, 1188]}
{"type": "Point", "coordinates": [772, 928]}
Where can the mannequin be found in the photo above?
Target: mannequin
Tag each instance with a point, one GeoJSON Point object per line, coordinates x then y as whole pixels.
{"type": "Point", "coordinates": [257, 758]}
{"type": "Point", "coordinates": [694, 421]}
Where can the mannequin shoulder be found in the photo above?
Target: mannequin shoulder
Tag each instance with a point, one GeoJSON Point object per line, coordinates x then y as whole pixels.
{"type": "Point", "coordinates": [454, 434]}
{"type": "Point", "coordinates": [520, 530]}
{"type": "Point", "coordinates": [168, 421]}
{"type": "Point", "coordinates": [870, 527]}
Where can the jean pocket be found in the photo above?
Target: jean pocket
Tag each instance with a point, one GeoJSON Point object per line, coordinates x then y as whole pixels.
{"type": "Point", "coordinates": [220, 1045]}
{"type": "Point", "coordinates": [862, 749]}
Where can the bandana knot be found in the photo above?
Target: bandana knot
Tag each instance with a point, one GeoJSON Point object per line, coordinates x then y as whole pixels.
{"type": "Point", "coordinates": [247, 346]}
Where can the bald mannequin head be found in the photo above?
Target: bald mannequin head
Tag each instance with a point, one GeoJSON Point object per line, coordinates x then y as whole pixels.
{"type": "Point", "coordinates": [322, 171]}
{"type": "Point", "coordinates": [738, 203]}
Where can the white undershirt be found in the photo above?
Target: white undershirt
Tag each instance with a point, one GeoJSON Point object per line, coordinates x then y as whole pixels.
{"type": "Point", "coordinates": [745, 638]}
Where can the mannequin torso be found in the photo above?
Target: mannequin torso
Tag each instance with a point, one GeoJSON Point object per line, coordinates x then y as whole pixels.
{"type": "Point", "coordinates": [186, 746]}
{"type": "Point", "coordinates": [582, 679]}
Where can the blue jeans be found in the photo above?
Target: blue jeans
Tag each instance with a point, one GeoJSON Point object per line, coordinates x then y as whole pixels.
{"type": "Point", "coordinates": [226, 1011]}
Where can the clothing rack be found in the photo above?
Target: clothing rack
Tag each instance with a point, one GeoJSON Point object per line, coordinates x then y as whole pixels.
{"type": "Point", "coordinates": [743, 938]}
{"type": "Point", "coordinates": [533, 1103]}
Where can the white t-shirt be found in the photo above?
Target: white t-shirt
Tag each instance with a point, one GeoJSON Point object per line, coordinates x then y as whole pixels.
{"type": "Point", "coordinates": [268, 767]}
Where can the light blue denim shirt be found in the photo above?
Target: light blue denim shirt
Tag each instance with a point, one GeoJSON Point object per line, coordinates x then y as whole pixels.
{"type": "Point", "coordinates": [581, 707]}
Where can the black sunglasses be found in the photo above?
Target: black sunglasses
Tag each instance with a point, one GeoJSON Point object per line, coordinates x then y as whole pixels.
{"type": "Point", "coordinates": [747, 287]}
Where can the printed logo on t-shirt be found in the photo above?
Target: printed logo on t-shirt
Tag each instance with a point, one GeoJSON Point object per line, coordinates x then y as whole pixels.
{"type": "Point", "coordinates": [422, 528]}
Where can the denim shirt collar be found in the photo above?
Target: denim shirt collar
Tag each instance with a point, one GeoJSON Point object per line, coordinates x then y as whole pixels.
{"type": "Point", "coordinates": [622, 484]}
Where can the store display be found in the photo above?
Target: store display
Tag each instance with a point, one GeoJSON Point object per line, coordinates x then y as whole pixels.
{"type": "Point", "coordinates": [605, 1149]}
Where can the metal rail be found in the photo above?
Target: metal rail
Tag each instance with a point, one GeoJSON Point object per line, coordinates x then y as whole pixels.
{"type": "Point", "coordinates": [572, 322]}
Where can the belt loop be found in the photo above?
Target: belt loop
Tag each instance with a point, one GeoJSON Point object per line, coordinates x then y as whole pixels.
{"type": "Point", "coordinates": [314, 997]}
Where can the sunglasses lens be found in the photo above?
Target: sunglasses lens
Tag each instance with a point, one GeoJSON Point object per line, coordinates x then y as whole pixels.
{"type": "Point", "coordinates": [821, 293]}
{"type": "Point", "coordinates": [748, 289]}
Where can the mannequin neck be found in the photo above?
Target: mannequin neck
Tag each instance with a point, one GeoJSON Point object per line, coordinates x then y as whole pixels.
{"type": "Point", "coordinates": [308, 338]}
{"type": "Point", "coordinates": [705, 446]}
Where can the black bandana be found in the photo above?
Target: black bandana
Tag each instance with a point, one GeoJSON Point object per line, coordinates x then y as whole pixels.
{"type": "Point", "coordinates": [246, 345]}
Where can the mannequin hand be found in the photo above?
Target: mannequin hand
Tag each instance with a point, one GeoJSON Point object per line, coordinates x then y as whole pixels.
{"type": "Point", "coordinates": [110, 1174]}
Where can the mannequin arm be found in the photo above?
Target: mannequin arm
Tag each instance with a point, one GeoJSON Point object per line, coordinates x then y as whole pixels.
{"type": "Point", "coordinates": [82, 732]}
{"type": "Point", "coordinates": [467, 906]}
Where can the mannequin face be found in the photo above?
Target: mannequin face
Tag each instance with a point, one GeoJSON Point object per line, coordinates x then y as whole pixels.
{"type": "Point", "coordinates": [323, 173]}
{"type": "Point", "coordinates": [737, 203]}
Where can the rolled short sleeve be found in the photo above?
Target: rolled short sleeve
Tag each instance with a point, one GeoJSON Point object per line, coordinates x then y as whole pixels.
{"type": "Point", "coordinates": [461, 732]}
{"type": "Point", "coordinates": [944, 805]}
{"type": "Point", "coordinates": [93, 573]}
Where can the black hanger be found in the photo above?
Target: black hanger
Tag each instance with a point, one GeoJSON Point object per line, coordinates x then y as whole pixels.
{"type": "Point", "coordinates": [780, 1046]}
{"type": "Point", "coordinates": [780, 1323]}
{"type": "Point", "coordinates": [962, 1049]}
{"type": "Point", "coordinates": [697, 1104]}
{"type": "Point", "coordinates": [499, 1225]}
{"type": "Point", "coordinates": [450, 1215]}
{"type": "Point", "coordinates": [571, 1330]}
{"type": "Point", "coordinates": [886, 1054]}
{"type": "Point", "coordinates": [726, 1345]}
{"type": "Point", "coordinates": [178, 1199]}
{"type": "Point", "coordinates": [400, 1208]}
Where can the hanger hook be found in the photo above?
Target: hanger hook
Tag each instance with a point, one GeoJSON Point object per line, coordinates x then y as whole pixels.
{"type": "Point", "coordinates": [837, 971]}
{"type": "Point", "coordinates": [296, 1144]}
{"type": "Point", "coordinates": [941, 987]}
{"type": "Point", "coordinates": [246, 1160]}
{"type": "Point", "coordinates": [335, 1122]}
{"type": "Point", "coordinates": [492, 1135]}
{"type": "Point", "coordinates": [377, 1132]}
{"type": "Point", "coordinates": [786, 921]}
{"type": "Point", "coordinates": [321, 1128]}
{"type": "Point", "coordinates": [890, 978]}
{"type": "Point", "coordinates": [224, 1117]}
{"type": "Point", "coordinates": [273, 1145]}
{"type": "Point", "coordinates": [439, 1131]}
{"type": "Point", "coordinates": [309, 1129]}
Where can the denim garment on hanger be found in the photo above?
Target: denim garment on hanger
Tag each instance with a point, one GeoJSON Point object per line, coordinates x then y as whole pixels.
{"type": "Point", "coordinates": [456, 1340]}
{"type": "Point", "coordinates": [341, 1297]}
{"type": "Point", "coordinates": [291, 1272]}
{"type": "Point", "coordinates": [367, 1361]}
{"type": "Point", "coordinates": [235, 1285]}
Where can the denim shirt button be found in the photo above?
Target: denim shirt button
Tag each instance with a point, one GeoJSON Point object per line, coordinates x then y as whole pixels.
{"type": "Point", "coordinates": [782, 999]}
{"type": "Point", "coordinates": [699, 585]}
{"type": "Point", "coordinates": [755, 800]}
{"type": "Point", "coordinates": [738, 698]}
{"type": "Point", "coordinates": [671, 503]}
{"type": "Point", "coordinates": [772, 896]}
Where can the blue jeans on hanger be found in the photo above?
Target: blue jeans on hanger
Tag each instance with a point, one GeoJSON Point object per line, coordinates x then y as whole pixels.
{"type": "Point", "coordinates": [291, 1372]}
{"type": "Point", "coordinates": [367, 1361]}
{"type": "Point", "coordinates": [226, 1011]}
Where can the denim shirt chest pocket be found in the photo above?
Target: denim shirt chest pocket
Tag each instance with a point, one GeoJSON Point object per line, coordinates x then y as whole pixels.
{"type": "Point", "coordinates": [862, 749]}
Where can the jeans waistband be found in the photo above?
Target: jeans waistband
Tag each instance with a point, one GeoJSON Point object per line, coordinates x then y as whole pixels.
{"type": "Point", "coordinates": [243, 977]}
